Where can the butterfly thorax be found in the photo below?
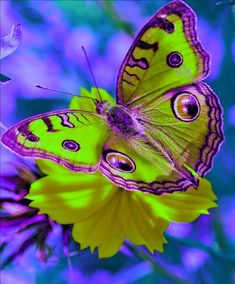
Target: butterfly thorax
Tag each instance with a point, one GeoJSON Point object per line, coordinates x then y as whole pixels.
{"type": "Point", "coordinates": [119, 118]}
{"type": "Point", "coordinates": [122, 121]}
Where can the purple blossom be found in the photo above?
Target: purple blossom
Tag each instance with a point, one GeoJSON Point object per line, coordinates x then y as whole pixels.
{"type": "Point", "coordinates": [179, 230]}
{"type": "Point", "coordinates": [232, 115]}
{"type": "Point", "coordinates": [228, 213]}
{"type": "Point", "coordinates": [9, 277]}
{"type": "Point", "coordinates": [194, 258]}
{"type": "Point", "coordinates": [8, 44]}
{"type": "Point", "coordinates": [19, 219]}
{"type": "Point", "coordinates": [117, 48]}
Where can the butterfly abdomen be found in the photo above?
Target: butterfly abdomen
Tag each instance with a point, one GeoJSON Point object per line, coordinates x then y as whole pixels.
{"type": "Point", "coordinates": [123, 122]}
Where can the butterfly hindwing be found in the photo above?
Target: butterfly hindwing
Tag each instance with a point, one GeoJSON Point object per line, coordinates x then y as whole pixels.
{"type": "Point", "coordinates": [71, 138]}
{"type": "Point", "coordinates": [188, 121]}
{"type": "Point", "coordinates": [138, 165]}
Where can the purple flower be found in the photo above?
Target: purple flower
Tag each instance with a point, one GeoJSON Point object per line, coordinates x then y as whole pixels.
{"type": "Point", "coordinates": [232, 114]}
{"type": "Point", "coordinates": [19, 219]}
{"type": "Point", "coordinates": [228, 212]}
{"type": "Point", "coordinates": [194, 258]}
{"type": "Point", "coordinates": [179, 230]}
{"type": "Point", "coordinates": [131, 12]}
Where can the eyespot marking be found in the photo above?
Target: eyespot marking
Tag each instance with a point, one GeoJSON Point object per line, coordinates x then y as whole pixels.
{"type": "Point", "coordinates": [119, 161]}
{"type": "Point", "coordinates": [174, 59]}
{"type": "Point", "coordinates": [32, 138]}
{"type": "Point", "coordinates": [70, 145]}
{"type": "Point", "coordinates": [169, 27]}
{"type": "Point", "coordinates": [27, 134]}
{"type": "Point", "coordinates": [164, 24]}
{"type": "Point", "coordinates": [185, 106]}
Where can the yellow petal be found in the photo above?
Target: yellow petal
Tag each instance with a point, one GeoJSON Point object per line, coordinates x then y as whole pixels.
{"type": "Point", "coordinates": [87, 104]}
{"type": "Point", "coordinates": [141, 226]}
{"type": "Point", "coordinates": [104, 215]}
{"type": "Point", "coordinates": [102, 230]}
{"type": "Point", "coordinates": [70, 198]}
{"type": "Point", "coordinates": [89, 201]}
{"type": "Point", "coordinates": [183, 206]}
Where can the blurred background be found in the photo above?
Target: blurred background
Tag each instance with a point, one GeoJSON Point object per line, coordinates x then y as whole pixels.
{"type": "Point", "coordinates": [50, 55]}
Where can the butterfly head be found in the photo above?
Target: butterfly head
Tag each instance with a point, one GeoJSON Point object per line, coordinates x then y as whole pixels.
{"type": "Point", "coordinates": [102, 107]}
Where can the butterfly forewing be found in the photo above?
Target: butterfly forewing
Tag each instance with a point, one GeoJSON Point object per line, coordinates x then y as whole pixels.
{"type": "Point", "coordinates": [150, 169]}
{"type": "Point", "coordinates": [165, 54]}
{"type": "Point", "coordinates": [71, 138]}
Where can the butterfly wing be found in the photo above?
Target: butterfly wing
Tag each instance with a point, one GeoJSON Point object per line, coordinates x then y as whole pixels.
{"type": "Point", "coordinates": [182, 125]}
{"type": "Point", "coordinates": [165, 54]}
{"type": "Point", "coordinates": [71, 138]}
{"type": "Point", "coordinates": [136, 165]}
{"type": "Point", "coordinates": [188, 120]}
{"type": "Point", "coordinates": [182, 134]}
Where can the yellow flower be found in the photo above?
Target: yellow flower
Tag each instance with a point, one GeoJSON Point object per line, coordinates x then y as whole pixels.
{"type": "Point", "coordinates": [104, 215]}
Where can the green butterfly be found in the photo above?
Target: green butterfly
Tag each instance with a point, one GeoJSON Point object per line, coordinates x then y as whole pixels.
{"type": "Point", "coordinates": [164, 130]}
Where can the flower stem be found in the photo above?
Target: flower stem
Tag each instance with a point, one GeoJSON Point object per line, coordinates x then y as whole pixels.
{"type": "Point", "coordinates": [156, 266]}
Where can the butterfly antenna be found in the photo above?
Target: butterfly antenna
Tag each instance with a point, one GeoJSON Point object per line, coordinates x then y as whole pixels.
{"type": "Point", "coordinates": [93, 77]}
{"type": "Point", "coordinates": [62, 92]}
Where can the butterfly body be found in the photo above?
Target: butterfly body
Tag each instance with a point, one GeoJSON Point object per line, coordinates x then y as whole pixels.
{"type": "Point", "coordinates": [165, 128]}
{"type": "Point", "coordinates": [124, 122]}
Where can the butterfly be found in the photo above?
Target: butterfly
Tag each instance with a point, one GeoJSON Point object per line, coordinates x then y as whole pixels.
{"type": "Point", "coordinates": [165, 128]}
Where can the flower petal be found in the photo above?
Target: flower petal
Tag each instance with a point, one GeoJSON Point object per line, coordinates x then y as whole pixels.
{"type": "Point", "coordinates": [102, 230]}
{"type": "Point", "coordinates": [87, 104]}
{"type": "Point", "coordinates": [88, 200]}
{"type": "Point", "coordinates": [103, 215]}
{"type": "Point", "coordinates": [183, 206]}
{"type": "Point", "coordinates": [141, 226]}
{"type": "Point", "coordinates": [70, 198]}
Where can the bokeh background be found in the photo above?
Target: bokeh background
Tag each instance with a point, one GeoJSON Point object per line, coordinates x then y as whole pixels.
{"type": "Point", "coordinates": [50, 55]}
